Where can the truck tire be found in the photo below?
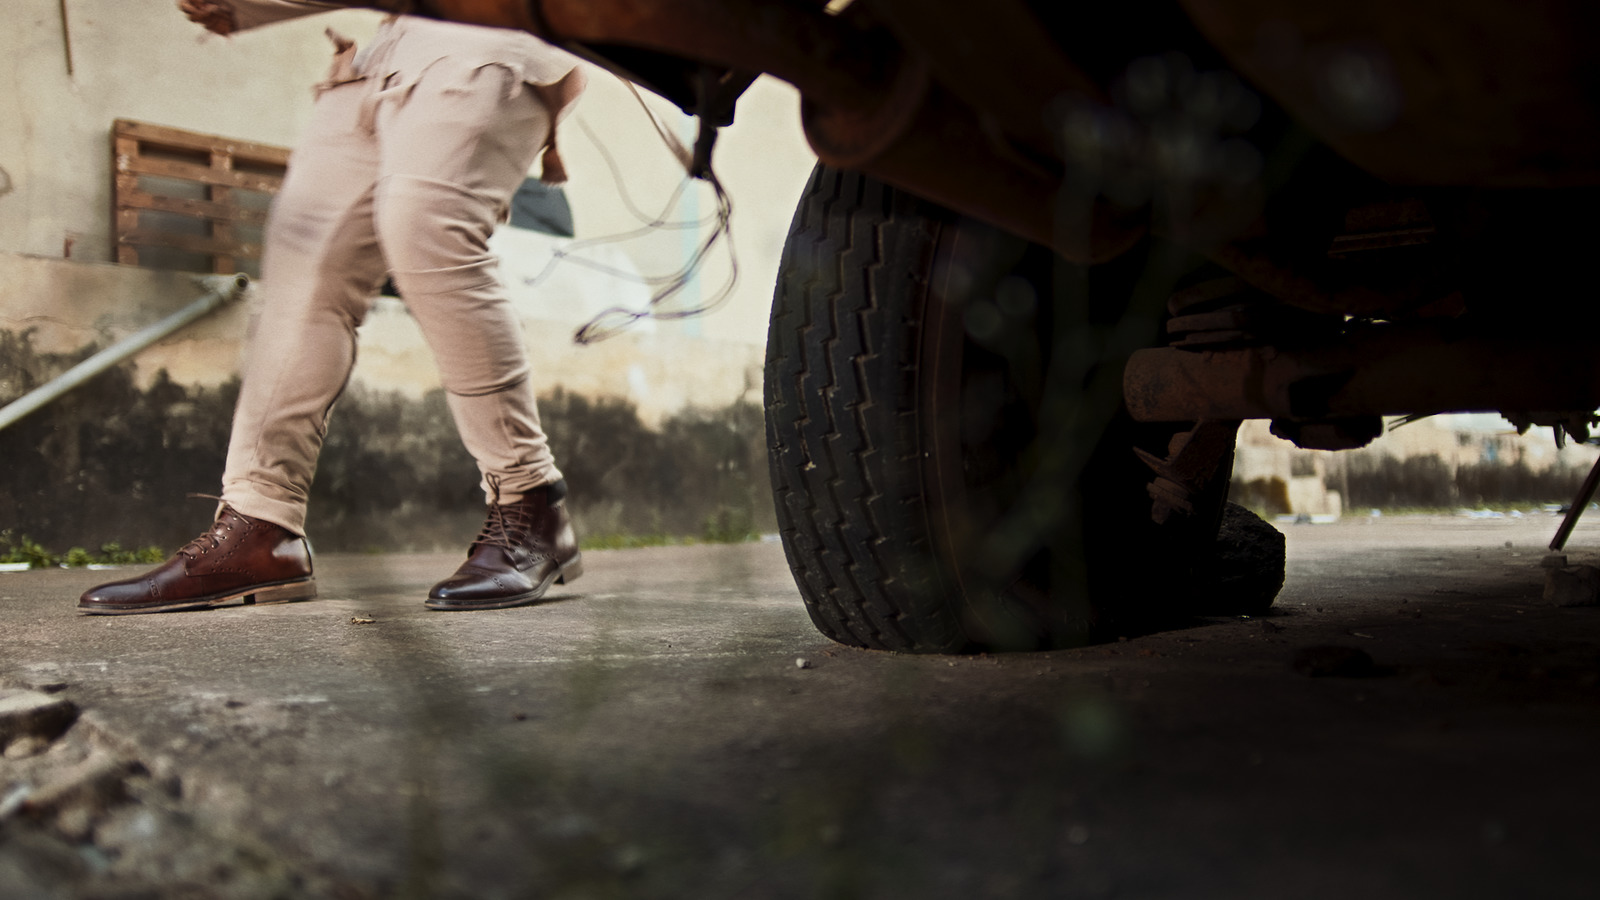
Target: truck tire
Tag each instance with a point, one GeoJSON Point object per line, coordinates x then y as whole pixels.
{"type": "Point", "coordinates": [942, 484]}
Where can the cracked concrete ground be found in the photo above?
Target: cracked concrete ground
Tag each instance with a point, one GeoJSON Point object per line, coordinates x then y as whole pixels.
{"type": "Point", "coordinates": [672, 726]}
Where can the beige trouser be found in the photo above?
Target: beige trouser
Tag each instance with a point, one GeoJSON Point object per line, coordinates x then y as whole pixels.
{"type": "Point", "coordinates": [406, 176]}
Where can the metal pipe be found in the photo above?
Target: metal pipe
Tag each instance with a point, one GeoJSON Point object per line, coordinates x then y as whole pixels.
{"type": "Point", "coordinates": [223, 289]}
{"type": "Point", "coordinates": [1579, 504]}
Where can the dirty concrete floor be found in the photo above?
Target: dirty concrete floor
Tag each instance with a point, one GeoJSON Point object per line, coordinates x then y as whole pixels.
{"type": "Point", "coordinates": [649, 733]}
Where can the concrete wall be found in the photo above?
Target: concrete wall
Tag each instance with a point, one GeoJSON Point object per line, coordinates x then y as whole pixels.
{"type": "Point", "coordinates": [140, 59]}
{"type": "Point", "coordinates": [136, 59]}
{"type": "Point", "coordinates": [60, 298]}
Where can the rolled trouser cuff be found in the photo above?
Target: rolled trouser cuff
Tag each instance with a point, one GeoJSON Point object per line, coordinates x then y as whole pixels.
{"type": "Point", "coordinates": [501, 430]}
{"type": "Point", "coordinates": [251, 500]}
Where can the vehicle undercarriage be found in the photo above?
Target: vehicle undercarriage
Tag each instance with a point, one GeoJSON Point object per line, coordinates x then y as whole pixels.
{"type": "Point", "coordinates": [1053, 254]}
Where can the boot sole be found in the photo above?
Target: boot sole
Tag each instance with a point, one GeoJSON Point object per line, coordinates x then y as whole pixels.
{"type": "Point", "coordinates": [257, 595]}
{"type": "Point", "coordinates": [567, 573]}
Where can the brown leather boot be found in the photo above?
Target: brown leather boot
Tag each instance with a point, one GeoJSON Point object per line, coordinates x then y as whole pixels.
{"type": "Point", "coordinates": [239, 558]}
{"type": "Point", "coordinates": [523, 549]}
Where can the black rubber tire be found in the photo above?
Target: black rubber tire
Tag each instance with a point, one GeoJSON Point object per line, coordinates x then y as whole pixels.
{"type": "Point", "coordinates": [903, 452]}
{"type": "Point", "coordinates": [841, 417]}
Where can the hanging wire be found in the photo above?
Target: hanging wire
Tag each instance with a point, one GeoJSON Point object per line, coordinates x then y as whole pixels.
{"type": "Point", "coordinates": [683, 154]}
{"type": "Point", "coordinates": [657, 221]}
{"type": "Point", "coordinates": [612, 321]}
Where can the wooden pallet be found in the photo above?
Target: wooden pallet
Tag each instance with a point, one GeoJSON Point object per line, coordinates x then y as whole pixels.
{"type": "Point", "coordinates": [189, 200]}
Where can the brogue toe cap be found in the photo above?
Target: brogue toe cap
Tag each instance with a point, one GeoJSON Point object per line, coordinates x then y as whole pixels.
{"type": "Point", "coordinates": [130, 592]}
{"type": "Point", "coordinates": [474, 584]}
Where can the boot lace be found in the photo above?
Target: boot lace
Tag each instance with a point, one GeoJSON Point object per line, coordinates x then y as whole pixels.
{"type": "Point", "coordinates": [509, 526]}
{"type": "Point", "coordinates": [211, 538]}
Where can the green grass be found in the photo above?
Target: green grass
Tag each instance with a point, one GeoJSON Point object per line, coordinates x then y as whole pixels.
{"type": "Point", "coordinates": [19, 548]}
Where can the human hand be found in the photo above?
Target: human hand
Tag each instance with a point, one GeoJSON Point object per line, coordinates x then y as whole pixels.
{"type": "Point", "coordinates": [215, 15]}
{"type": "Point", "coordinates": [340, 42]}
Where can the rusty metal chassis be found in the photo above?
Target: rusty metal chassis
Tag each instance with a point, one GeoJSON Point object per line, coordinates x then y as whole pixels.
{"type": "Point", "coordinates": [961, 108]}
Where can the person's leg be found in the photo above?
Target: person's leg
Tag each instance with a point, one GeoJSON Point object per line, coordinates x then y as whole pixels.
{"type": "Point", "coordinates": [320, 269]}
{"type": "Point", "coordinates": [454, 149]}
{"type": "Point", "coordinates": [455, 146]}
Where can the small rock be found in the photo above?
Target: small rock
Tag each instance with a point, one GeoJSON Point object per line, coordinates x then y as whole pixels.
{"type": "Point", "coordinates": [131, 825]}
{"type": "Point", "coordinates": [95, 784]}
{"type": "Point", "coordinates": [802, 663]}
{"type": "Point", "coordinates": [75, 822]}
{"type": "Point", "coordinates": [26, 746]}
{"type": "Point", "coordinates": [13, 800]}
{"type": "Point", "coordinates": [1554, 561]}
{"type": "Point", "coordinates": [30, 713]}
{"type": "Point", "coordinates": [1333, 662]}
{"type": "Point", "coordinates": [1244, 575]}
{"type": "Point", "coordinates": [1572, 586]}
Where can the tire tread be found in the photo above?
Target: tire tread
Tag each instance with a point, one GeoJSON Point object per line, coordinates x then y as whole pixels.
{"type": "Point", "coordinates": [841, 419]}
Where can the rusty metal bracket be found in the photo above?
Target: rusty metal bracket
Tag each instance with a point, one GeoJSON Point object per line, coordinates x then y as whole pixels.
{"type": "Point", "coordinates": [717, 93]}
{"type": "Point", "coordinates": [1194, 459]}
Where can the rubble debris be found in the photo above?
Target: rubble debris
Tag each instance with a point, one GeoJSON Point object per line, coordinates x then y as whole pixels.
{"type": "Point", "coordinates": [26, 746]}
{"type": "Point", "coordinates": [32, 716]}
{"type": "Point", "coordinates": [13, 800]}
{"type": "Point", "coordinates": [81, 815]}
{"type": "Point", "coordinates": [84, 791]}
